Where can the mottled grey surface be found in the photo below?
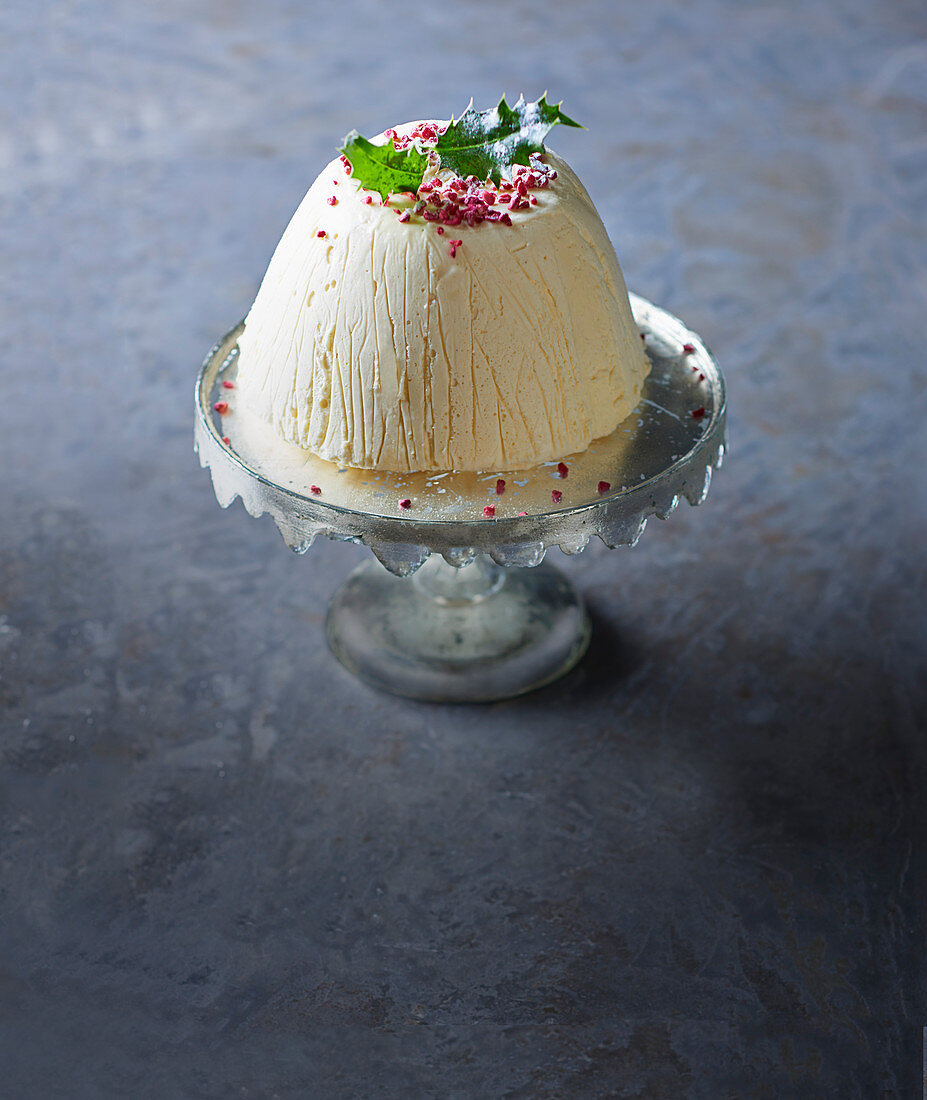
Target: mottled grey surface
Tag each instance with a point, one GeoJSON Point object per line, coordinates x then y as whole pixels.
{"type": "Point", "coordinates": [693, 868]}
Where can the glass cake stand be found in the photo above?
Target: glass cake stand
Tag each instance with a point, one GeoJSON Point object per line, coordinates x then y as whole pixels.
{"type": "Point", "coordinates": [448, 619]}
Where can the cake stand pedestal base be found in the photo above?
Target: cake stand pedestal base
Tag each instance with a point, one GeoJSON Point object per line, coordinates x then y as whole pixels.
{"type": "Point", "coordinates": [458, 635]}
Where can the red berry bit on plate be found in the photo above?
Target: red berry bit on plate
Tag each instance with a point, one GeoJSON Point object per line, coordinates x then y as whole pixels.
{"type": "Point", "coordinates": [500, 487]}
{"type": "Point", "coordinates": [315, 490]}
{"type": "Point", "coordinates": [604, 486]}
{"type": "Point", "coordinates": [556, 496]}
{"type": "Point", "coordinates": [221, 407]}
{"type": "Point", "coordinates": [489, 511]}
{"type": "Point", "coordinates": [698, 413]}
{"type": "Point", "coordinates": [405, 503]}
{"type": "Point", "coordinates": [688, 349]}
{"type": "Point", "coordinates": [562, 469]}
{"type": "Point", "coordinates": [321, 233]}
{"type": "Point", "coordinates": [228, 385]}
{"type": "Point", "coordinates": [226, 440]}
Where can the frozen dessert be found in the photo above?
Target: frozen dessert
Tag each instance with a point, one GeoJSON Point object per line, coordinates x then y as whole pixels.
{"type": "Point", "coordinates": [464, 322]}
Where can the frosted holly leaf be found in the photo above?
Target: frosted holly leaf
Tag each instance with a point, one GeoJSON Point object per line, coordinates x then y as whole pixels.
{"type": "Point", "coordinates": [483, 143]}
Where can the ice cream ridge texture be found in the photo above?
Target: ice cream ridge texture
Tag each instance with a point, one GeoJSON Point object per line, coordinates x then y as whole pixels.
{"type": "Point", "coordinates": [464, 323]}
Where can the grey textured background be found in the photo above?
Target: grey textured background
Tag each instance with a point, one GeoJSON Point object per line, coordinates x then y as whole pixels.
{"type": "Point", "coordinates": [693, 868]}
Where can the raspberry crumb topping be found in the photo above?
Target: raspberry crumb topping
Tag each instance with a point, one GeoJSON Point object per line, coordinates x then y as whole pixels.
{"type": "Point", "coordinates": [489, 511]}
{"type": "Point", "coordinates": [500, 486]}
{"type": "Point", "coordinates": [556, 496]}
{"type": "Point", "coordinates": [405, 503]}
{"type": "Point", "coordinates": [452, 200]}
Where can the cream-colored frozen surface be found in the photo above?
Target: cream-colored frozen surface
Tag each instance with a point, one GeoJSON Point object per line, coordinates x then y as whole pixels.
{"type": "Point", "coordinates": [373, 347]}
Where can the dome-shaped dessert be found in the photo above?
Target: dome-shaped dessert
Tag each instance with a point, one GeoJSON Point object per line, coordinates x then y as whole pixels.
{"type": "Point", "coordinates": [467, 326]}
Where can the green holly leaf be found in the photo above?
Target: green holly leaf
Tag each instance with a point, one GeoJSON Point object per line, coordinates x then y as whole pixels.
{"type": "Point", "coordinates": [384, 168]}
{"type": "Point", "coordinates": [482, 143]}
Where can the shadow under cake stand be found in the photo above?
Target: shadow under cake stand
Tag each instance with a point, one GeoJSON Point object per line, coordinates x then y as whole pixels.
{"type": "Point", "coordinates": [447, 619]}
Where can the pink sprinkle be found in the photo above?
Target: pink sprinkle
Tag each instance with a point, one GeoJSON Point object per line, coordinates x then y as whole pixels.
{"type": "Point", "coordinates": [332, 201]}
{"type": "Point", "coordinates": [321, 233]}
{"type": "Point", "coordinates": [405, 503]}
{"type": "Point", "coordinates": [440, 229]}
{"type": "Point", "coordinates": [489, 511]}
{"type": "Point", "coordinates": [604, 486]}
{"type": "Point", "coordinates": [522, 513]}
{"type": "Point", "coordinates": [562, 469]}
{"type": "Point", "coordinates": [315, 490]}
{"type": "Point", "coordinates": [454, 246]}
{"type": "Point", "coordinates": [405, 217]}
{"type": "Point", "coordinates": [221, 407]}
{"type": "Point", "coordinates": [500, 487]}
{"type": "Point", "coordinates": [335, 182]}
{"type": "Point", "coordinates": [688, 349]}
{"type": "Point", "coordinates": [228, 385]}
{"type": "Point", "coordinates": [698, 413]}
{"type": "Point", "coordinates": [556, 496]}
{"type": "Point", "coordinates": [226, 440]}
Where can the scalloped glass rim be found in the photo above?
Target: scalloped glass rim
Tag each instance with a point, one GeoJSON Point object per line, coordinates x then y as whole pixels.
{"type": "Point", "coordinates": [620, 514]}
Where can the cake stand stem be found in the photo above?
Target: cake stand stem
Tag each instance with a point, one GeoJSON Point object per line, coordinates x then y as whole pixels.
{"type": "Point", "coordinates": [467, 635]}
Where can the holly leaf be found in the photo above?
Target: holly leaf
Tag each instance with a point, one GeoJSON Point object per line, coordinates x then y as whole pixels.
{"type": "Point", "coordinates": [384, 168]}
{"type": "Point", "coordinates": [482, 143]}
